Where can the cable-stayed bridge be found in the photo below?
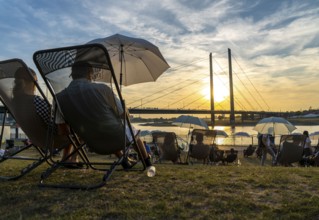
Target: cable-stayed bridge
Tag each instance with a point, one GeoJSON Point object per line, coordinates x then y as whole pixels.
{"type": "Point", "coordinates": [242, 99]}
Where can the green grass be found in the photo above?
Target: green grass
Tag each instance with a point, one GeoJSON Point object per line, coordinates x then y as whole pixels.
{"type": "Point", "coordinates": [194, 191]}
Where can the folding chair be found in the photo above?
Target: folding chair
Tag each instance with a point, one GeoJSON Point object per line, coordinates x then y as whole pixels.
{"type": "Point", "coordinates": [216, 155]}
{"type": "Point", "coordinates": [167, 146]}
{"type": "Point", "coordinates": [230, 156]}
{"type": "Point", "coordinates": [18, 101]}
{"type": "Point", "coordinates": [202, 142]}
{"type": "Point", "coordinates": [55, 66]}
{"type": "Point", "coordinates": [250, 150]}
{"type": "Point", "coordinates": [290, 149]}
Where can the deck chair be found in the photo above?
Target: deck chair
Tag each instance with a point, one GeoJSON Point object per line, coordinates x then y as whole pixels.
{"type": "Point", "coordinates": [290, 149]}
{"type": "Point", "coordinates": [18, 101]}
{"type": "Point", "coordinates": [202, 141]}
{"type": "Point", "coordinates": [230, 156]}
{"type": "Point", "coordinates": [216, 155]}
{"type": "Point", "coordinates": [101, 130]}
{"type": "Point", "coordinates": [167, 146]}
{"type": "Point", "coordinates": [250, 150]}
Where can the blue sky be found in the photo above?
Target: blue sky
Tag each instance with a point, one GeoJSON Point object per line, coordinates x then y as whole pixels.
{"type": "Point", "coordinates": [275, 45]}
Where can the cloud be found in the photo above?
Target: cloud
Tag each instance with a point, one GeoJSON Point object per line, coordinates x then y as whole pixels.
{"type": "Point", "coordinates": [274, 43]}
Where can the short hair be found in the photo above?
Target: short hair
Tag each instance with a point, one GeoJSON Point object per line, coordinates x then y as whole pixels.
{"type": "Point", "coordinates": [81, 70]}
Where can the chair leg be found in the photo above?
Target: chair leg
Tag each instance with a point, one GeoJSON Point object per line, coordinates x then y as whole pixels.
{"type": "Point", "coordinates": [37, 162]}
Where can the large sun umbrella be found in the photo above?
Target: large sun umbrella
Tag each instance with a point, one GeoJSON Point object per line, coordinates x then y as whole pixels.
{"type": "Point", "coordinates": [242, 135]}
{"type": "Point", "coordinates": [134, 60]}
{"type": "Point", "coordinates": [274, 125]}
{"type": "Point", "coordinates": [221, 134]}
{"type": "Point", "coordinates": [188, 121]}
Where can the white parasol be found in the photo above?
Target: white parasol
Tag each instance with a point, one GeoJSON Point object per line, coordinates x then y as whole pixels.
{"type": "Point", "coordinates": [134, 60]}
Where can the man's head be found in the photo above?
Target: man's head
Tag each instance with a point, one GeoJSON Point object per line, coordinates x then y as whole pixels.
{"type": "Point", "coordinates": [81, 70]}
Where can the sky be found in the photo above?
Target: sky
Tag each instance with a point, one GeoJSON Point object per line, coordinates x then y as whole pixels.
{"type": "Point", "coordinates": [274, 46]}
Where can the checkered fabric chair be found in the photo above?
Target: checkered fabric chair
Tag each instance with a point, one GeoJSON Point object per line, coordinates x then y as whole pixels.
{"type": "Point", "coordinates": [17, 84]}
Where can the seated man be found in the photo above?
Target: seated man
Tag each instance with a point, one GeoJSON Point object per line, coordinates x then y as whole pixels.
{"type": "Point", "coordinates": [200, 150]}
{"type": "Point", "coordinates": [98, 117]}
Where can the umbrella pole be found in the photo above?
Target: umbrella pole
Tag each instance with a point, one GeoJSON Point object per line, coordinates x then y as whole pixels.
{"type": "Point", "coordinates": [121, 69]}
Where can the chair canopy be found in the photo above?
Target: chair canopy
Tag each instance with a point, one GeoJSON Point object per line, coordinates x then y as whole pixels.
{"type": "Point", "coordinates": [97, 123]}
{"type": "Point", "coordinates": [16, 95]}
{"type": "Point", "coordinates": [167, 144]}
{"type": "Point", "coordinates": [290, 149]}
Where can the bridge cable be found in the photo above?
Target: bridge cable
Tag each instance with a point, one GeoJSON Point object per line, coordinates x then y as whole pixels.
{"type": "Point", "coordinates": [228, 98]}
{"type": "Point", "coordinates": [155, 93]}
{"type": "Point", "coordinates": [248, 89]}
{"type": "Point", "coordinates": [248, 92]}
{"type": "Point", "coordinates": [170, 92]}
{"type": "Point", "coordinates": [253, 85]}
{"type": "Point", "coordinates": [228, 87]}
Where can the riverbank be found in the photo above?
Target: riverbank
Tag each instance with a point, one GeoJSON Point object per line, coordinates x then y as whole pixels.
{"type": "Point", "coordinates": [224, 122]}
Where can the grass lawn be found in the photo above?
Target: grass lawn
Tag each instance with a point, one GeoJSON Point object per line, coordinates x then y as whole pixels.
{"type": "Point", "coordinates": [197, 191]}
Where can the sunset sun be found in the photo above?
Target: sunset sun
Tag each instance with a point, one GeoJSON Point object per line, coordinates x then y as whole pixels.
{"type": "Point", "coordinates": [220, 93]}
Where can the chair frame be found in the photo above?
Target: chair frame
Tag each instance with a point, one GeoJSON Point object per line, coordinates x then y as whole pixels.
{"type": "Point", "coordinates": [75, 139]}
{"type": "Point", "coordinates": [37, 161]}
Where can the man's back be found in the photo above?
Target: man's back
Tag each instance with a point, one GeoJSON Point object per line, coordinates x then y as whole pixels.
{"type": "Point", "coordinates": [91, 111]}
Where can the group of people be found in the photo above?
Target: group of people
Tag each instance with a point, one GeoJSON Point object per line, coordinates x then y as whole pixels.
{"type": "Point", "coordinates": [99, 118]}
{"type": "Point", "coordinates": [266, 145]}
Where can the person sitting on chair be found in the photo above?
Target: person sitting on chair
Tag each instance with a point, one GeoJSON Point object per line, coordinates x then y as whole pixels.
{"type": "Point", "coordinates": [99, 114]}
{"type": "Point", "coordinates": [200, 149]}
{"type": "Point", "coordinates": [169, 149]}
{"type": "Point", "coordinates": [36, 111]}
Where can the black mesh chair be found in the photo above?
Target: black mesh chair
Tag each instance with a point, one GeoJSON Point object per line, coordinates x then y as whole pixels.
{"type": "Point", "coordinates": [230, 156]}
{"type": "Point", "coordinates": [249, 151]}
{"type": "Point", "coordinates": [290, 149]}
{"type": "Point", "coordinates": [201, 145]}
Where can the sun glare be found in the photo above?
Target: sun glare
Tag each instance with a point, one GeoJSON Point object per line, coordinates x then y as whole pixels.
{"type": "Point", "coordinates": [220, 93]}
